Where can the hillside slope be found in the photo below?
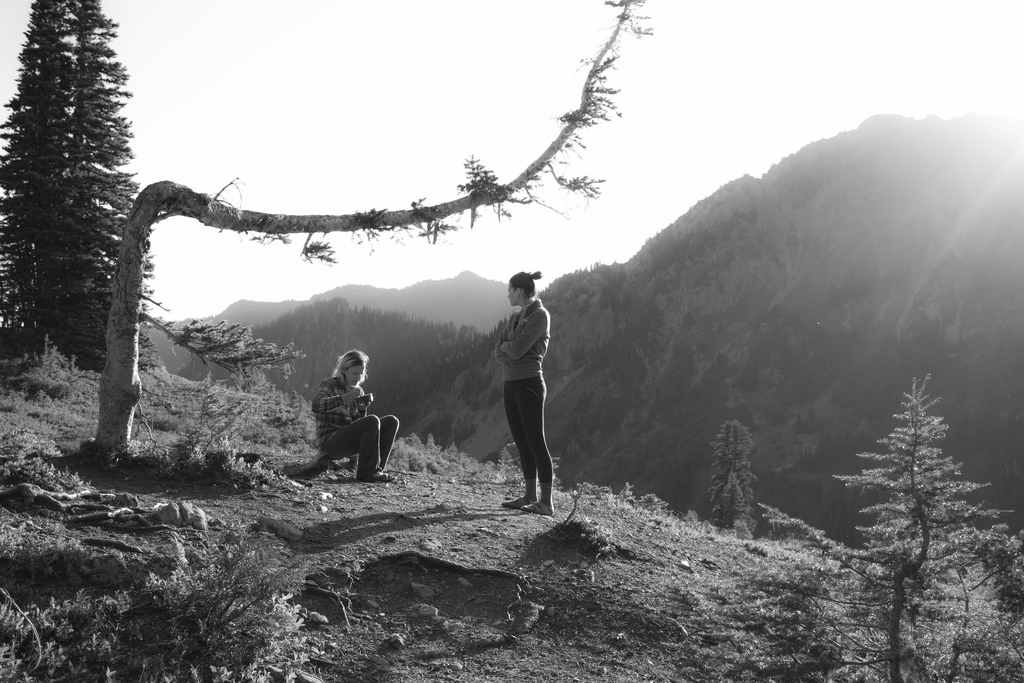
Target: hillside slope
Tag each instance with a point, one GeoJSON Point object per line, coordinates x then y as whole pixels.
{"type": "Point", "coordinates": [436, 580]}
{"type": "Point", "coordinates": [802, 304]}
{"type": "Point", "coordinates": [464, 300]}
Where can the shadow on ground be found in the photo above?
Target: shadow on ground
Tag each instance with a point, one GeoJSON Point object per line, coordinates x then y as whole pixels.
{"type": "Point", "coordinates": [327, 535]}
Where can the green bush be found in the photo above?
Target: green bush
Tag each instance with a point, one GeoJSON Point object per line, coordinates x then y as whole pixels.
{"type": "Point", "coordinates": [227, 612]}
{"type": "Point", "coordinates": [78, 639]}
{"type": "Point", "coordinates": [222, 618]}
{"type": "Point", "coordinates": [48, 376]}
{"type": "Point", "coordinates": [23, 458]}
{"type": "Point", "coordinates": [223, 464]}
{"type": "Point", "coordinates": [414, 455]}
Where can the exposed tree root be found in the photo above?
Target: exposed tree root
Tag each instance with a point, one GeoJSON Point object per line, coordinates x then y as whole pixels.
{"type": "Point", "coordinates": [117, 511]}
{"type": "Point", "coordinates": [112, 543]}
{"type": "Point", "coordinates": [413, 557]}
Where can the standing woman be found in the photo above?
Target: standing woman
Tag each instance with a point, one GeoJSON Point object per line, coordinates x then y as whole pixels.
{"type": "Point", "coordinates": [521, 350]}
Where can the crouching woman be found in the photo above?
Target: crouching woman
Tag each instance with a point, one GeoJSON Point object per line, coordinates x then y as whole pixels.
{"type": "Point", "coordinates": [346, 427]}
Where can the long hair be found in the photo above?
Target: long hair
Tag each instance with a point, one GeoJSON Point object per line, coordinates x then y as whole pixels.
{"type": "Point", "coordinates": [350, 358]}
{"type": "Point", "coordinates": [524, 281]}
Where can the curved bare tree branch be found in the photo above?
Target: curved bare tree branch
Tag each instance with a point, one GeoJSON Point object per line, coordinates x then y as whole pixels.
{"type": "Point", "coordinates": [120, 386]}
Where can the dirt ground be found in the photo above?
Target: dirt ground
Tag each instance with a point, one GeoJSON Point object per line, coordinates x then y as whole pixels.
{"type": "Point", "coordinates": [446, 585]}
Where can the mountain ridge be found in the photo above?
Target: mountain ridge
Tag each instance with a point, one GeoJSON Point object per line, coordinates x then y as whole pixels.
{"type": "Point", "coordinates": [799, 302]}
{"type": "Point", "coordinates": [464, 300]}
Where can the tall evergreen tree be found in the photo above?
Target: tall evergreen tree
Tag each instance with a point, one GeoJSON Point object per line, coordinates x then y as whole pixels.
{"type": "Point", "coordinates": [85, 190]}
{"type": "Point", "coordinates": [732, 481]}
{"type": "Point", "coordinates": [101, 193]}
{"type": "Point", "coordinates": [34, 167]}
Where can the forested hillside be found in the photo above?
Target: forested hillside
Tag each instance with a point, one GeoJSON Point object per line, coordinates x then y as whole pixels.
{"type": "Point", "coordinates": [802, 304]}
{"type": "Point", "coordinates": [409, 358]}
{"type": "Point", "coordinates": [466, 299]}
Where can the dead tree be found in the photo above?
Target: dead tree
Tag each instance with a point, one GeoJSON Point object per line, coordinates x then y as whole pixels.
{"type": "Point", "coordinates": [120, 386]}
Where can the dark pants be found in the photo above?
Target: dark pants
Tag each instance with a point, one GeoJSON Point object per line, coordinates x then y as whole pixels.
{"type": "Point", "coordinates": [524, 407]}
{"type": "Point", "coordinates": [371, 437]}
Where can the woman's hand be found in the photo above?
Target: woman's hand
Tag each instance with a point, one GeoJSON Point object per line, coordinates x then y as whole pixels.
{"type": "Point", "coordinates": [352, 394]}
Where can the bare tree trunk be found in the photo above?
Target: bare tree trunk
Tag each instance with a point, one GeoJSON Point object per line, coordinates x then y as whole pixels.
{"type": "Point", "coordinates": [899, 597]}
{"type": "Point", "coordinates": [120, 386]}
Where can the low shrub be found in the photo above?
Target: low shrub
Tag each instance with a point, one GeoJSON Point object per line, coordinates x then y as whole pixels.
{"type": "Point", "coordinates": [24, 458]}
{"type": "Point", "coordinates": [48, 376]}
{"type": "Point", "coordinates": [185, 461]}
{"type": "Point", "coordinates": [588, 536]}
{"type": "Point", "coordinates": [70, 640]}
{"type": "Point", "coordinates": [222, 618]}
{"type": "Point", "coordinates": [226, 612]}
{"type": "Point", "coordinates": [415, 455]}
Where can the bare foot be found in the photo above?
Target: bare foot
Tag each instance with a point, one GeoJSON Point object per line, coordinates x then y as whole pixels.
{"type": "Point", "coordinates": [518, 503]}
{"type": "Point", "coordinates": [539, 508]}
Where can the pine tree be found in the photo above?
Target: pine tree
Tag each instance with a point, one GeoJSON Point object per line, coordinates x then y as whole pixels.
{"type": "Point", "coordinates": [923, 532]}
{"type": "Point", "coordinates": [65, 198]}
{"type": "Point", "coordinates": [732, 481]}
{"type": "Point", "coordinates": [918, 600]}
{"type": "Point", "coordinates": [34, 168]}
{"type": "Point", "coordinates": [100, 194]}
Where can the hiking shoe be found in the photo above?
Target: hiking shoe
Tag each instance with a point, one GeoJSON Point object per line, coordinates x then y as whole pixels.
{"type": "Point", "coordinates": [377, 478]}
{"type": "Point", "coordinates": [518, 503]}
{"type": "Point", "coordinates": [307, 471]}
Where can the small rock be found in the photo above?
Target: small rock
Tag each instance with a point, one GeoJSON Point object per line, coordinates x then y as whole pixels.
{"type": "Point", "coordinates": [525, 615]}
{"type": "Point", "coordinates": [457, 666]}
{"type": "Point", "coordinates": [305, 677]}
{"type": "Point", "coordinates": [422, 591]}
{"type": "Point", "coordinates": [324, 495]}
{"type": "Point", "coordinates": [166, 513]}
{"type": "Point", "coordinates": [323, 509]}
{"type": "Point", "coordinates": [547, 563]}
{"type": "Point", "coordinates": [685, 564]}
{"type": "Point", "coordinates": [425, 610]}
{"type": "Point", "coordinates": [180, 514]}
{"type": "Point", "coordinates": [464, 582]}
{"type": "Point", "coordinates": [317, 618]}
{"type": "Point", "coordinates": [430, 545]}
{"type": "Point", "coordinates": [395, 641]}
{"type": "Point", "coordinates": [192, 515]}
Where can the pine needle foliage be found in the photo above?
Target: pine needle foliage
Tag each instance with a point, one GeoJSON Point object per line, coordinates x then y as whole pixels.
{"type": "Point", "coordinates": [732, 480]}
{"type": "Point", "coordinates": [63, 194]}
{"type": "Point", "coordinates": [918, 604]}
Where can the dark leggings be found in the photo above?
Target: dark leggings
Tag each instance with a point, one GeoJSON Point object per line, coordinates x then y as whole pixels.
{"type": "Point", "coordinates": [371, 437]}
{"type": "Point", "coordinates": [524, 407]}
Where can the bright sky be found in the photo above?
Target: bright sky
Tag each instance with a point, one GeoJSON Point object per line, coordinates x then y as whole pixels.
{"type": "Point", "coordinates": [334, 106]}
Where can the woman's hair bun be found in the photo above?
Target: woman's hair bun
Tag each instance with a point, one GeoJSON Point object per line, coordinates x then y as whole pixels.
{"type": "Point", "coordinates": [535, 275]}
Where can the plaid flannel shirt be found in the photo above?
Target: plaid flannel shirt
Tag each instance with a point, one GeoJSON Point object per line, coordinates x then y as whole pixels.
{"type": "Point", "coordinates": [328, 397]}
